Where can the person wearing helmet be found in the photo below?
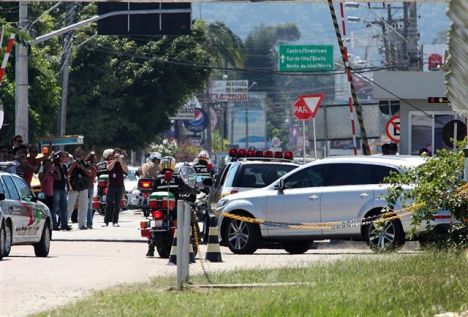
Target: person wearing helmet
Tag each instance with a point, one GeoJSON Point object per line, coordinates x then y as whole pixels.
{"type": "Point", "coordinates": [202, 164]}
{"type": "Point", "coordinates": [170, 181]}
{"type": "Point", "coordinates": [151, 168]}
{"type": "Point", "coordinates": [101, 166]}
{"type": "Point", "coordinates": [203, 158]}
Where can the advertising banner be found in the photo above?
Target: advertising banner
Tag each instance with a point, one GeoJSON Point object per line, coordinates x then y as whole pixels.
{"type": "Point", "coordinates": [229, 91]}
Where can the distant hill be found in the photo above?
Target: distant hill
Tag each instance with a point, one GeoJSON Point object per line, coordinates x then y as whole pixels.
{"type": "Point", "coordinates": [313, 19]}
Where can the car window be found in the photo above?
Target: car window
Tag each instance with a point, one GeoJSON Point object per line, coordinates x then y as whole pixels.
{"type": "Point", "coordinates": [12, 193]}
{"type": "Point", "coordinates": [23, 188]}
{"type": "Point", "coordinates": [380, 172]}
{"type": "Point", "coordinates": [260, 175]}
{"type": "Point", "coordinates": [313, 176]}
{"type": "Point", "coordinates": [2, 189]}
{"type": "Point", "coordinates": [230, 175]}
{"type": "Point", "coordinates": [131, 175]}
{"type": "Point", "coordinates": [221, 176]}
{"type": "Point", "coordinates": [349, 174]}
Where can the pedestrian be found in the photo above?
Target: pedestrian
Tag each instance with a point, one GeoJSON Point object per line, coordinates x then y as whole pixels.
{"type": "Point", "coordinates": [60, 193]}
{"type": "Point", "coordinates": [21, 165]}
{"type": "Point", "coordinates": [117, 168]}
{"type": "Point", "coordinates": [16, 141]}
{"type": "Point", "coordinates": [91, 161]}
{"type": "Point", "coordinates": [79, 173]}
{"type": "Point", "coordinates": [34, 162]}
{"type": "Point", "coordinates": [151, 168]}
{"type": "Point", "coordinates": [47, 175]}
{"type": "Point", "coordinates": [4, 153]}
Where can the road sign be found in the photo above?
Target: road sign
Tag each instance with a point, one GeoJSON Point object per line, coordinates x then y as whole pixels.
{"type": "Point", "coordinates": [305, 58]}
{"type": "Point", "coordinates": [306, 106]}
{"type": "Point", "coordinates": [392, 128]}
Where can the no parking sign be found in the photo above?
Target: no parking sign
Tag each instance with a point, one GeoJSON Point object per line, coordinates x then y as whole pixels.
{"type": "Point", "coordinates": [392, 129]}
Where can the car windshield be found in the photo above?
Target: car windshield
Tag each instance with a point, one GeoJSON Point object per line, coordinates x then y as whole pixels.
{"type": "Point", "coordinates": [131, 175]}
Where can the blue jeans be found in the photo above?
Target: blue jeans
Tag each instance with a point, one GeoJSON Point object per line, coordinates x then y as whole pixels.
{"type": "Point", "coordinates": [61, 206]}
{"type": "Point", "coordinates": [89, 220]}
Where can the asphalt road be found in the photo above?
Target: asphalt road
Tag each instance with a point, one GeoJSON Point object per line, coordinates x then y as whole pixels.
{"type": "Point", "coordinates": [83, 261]}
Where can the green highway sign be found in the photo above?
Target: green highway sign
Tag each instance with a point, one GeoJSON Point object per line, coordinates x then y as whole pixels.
{"type": "Point", "coordinates": [305, 58]}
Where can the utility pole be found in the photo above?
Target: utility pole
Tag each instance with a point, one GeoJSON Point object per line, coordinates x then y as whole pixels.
{"type": "Point", "coordinates": [65, 61]}
{"type": "Point", "coordinates": [412, 36]}
{"type": "Point", "coordinates": [21, 79]}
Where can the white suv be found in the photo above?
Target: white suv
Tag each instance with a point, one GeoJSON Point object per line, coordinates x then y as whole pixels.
{"type": "Point", "coordinates": [335, 189]}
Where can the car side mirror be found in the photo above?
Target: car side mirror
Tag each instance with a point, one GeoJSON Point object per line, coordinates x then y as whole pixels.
{"type": "Point", "coordinates": [280, 185]}
{"type": "Point", "coordinates": [2, 196]}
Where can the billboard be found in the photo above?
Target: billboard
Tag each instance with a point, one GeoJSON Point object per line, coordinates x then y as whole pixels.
{"type": "Point", "coordinates": [229, 91]}
{"type": "Point", "coordinates": [251, 117]}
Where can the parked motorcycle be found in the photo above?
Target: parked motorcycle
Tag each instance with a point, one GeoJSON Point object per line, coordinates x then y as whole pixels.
{"type": "Point", "coordinates": [167, 188]}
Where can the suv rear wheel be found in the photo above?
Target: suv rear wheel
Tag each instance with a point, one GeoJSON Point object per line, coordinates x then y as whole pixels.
{"type": "Point", "coordinates": [241, 237]}
{"type": "Point", "coordinates": [386, 238]}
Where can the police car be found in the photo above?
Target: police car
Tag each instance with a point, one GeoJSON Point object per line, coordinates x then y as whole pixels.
{"type": "Point", "coordinates": [248, 169]}
{"type": "Point", "coordinates": [23, 218]}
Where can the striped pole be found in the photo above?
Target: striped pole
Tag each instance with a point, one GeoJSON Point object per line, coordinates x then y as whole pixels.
{"type": "Point", "coordinates": [10, 43]}
{"type": "Point", "coordinates": [344, 55]}
{"type": "Point", "coordinates": [350, 101]}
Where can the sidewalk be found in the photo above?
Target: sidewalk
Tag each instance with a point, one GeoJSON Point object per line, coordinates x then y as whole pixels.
{"type": "Point", "coordinates": [129, 221]}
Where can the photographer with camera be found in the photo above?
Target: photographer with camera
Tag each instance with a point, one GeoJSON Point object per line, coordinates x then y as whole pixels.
{"type": "Point", "coordinates": [79, 173]}
{"type": "Point", "coordinates": [117, 169]}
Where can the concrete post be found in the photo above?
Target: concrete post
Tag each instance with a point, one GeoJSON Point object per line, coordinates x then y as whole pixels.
{"type": "Point", "coordinates": [21, 78]}
{"type": "Point", "coordinates": [180, 234]}
{"type": "Point", "coordinates": [186, 242]}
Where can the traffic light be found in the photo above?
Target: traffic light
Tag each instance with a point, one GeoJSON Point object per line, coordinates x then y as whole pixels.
{"type": "Point", "coordinates": [437, 100]}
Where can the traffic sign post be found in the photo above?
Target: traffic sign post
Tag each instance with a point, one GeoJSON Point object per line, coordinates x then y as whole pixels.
{"type": "Point", "coordinates": [305, 58]}
{"type": "Point", "coordinates": [392, 129]}
{"type": "Point", "coordinates": [305, 108]}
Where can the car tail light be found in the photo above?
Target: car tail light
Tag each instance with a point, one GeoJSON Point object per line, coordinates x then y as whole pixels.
{"type": "Point", "coordinates": [259, 154]}
{"type": "Point", "coordinates": [441, 217]}
{"type": "Point", "coordinates": [145, 233]}
{"type": "Point", "coordinates": [157, 214]}
{"type": "Point", "coordinates": [250, 153]}
{"type": "Point", "coordinates": [144, 224]}
{"type": "Point", "coordinates": [268, 154]}
{"type": "Point", "coordinates": [145, 184]}
{"type": "Point", "coordinates": [288, 155]}
{"type": "Point", "coordinates": [278, 154]}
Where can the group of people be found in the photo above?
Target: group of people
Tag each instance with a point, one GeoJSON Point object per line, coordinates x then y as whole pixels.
{"type": "Point", "coordinates": [67, 181]}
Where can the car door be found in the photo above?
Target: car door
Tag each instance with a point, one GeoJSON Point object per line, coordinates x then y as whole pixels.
{"type": "Point", "coordinates": [17, 210]}
{"type": "Point", "coordinates": [35, 212]}
{"type": "Point", "coordinates": [297, 203]}
{"type": "Point", "coordinates": [349, 191]}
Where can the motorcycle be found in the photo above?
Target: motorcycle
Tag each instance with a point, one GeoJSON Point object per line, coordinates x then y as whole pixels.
{"type": "Point", "coordinates": [145, 186]}
{"type": "Point", "coordinates": [160, 225]}
{"type": "Point", "coordinates": [99, 200]}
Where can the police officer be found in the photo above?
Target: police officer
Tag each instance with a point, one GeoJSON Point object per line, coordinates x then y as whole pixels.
{"type": "Point", "coordinates": [151, 168]}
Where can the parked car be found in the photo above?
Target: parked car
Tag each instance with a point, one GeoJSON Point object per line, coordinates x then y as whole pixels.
{"type": "Point", "coordinates": [247, 173]}
{"type": "Point", "coordinates": [23, 218]}
{"type": "Point", "coordinates": [133, 195]}
{"type": "Point", "coordinates": [335, 189]}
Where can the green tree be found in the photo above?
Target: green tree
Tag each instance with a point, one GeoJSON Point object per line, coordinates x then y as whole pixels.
{"type": "Point", "coordinates": [123, 90]}
{"type": "Point", "coordinates": [44, 90]}
{"type": "Point", "coordinates": [433, 186]}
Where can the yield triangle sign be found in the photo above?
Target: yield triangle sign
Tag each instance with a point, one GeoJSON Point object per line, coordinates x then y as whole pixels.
{"type": "Point", "coordinates": [306, 106]}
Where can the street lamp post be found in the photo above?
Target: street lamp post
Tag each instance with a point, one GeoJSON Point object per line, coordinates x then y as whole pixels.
{"type": "Point", "coordinates": [247, 118]}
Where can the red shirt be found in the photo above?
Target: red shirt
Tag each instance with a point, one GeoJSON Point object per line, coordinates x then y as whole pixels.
{"type": "Point", "coordinates": [116, 175]}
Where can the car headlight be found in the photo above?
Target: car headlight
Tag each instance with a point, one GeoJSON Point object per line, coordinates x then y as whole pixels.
{"type": "Point", "coordinates": [221, 203]}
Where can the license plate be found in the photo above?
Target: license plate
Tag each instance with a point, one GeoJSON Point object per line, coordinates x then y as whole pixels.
{"type": "Point", "coordinates": [156, 223]}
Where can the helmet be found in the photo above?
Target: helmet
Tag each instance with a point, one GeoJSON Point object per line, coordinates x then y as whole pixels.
{"type": "Point", "coordinates": [167, 164]}
{"type": "Point", "coordinates": [155, 156]}
{"type": "Point", "coordinates": [107, 153]}
{"type": "Point", "coordinates": [204, 155]}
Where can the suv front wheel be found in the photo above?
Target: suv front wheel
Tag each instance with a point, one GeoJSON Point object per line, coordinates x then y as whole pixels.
{"type": "Point", "coordinates": [385, 237]}
{"type": "Point", "coordinates": [241, 237]}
